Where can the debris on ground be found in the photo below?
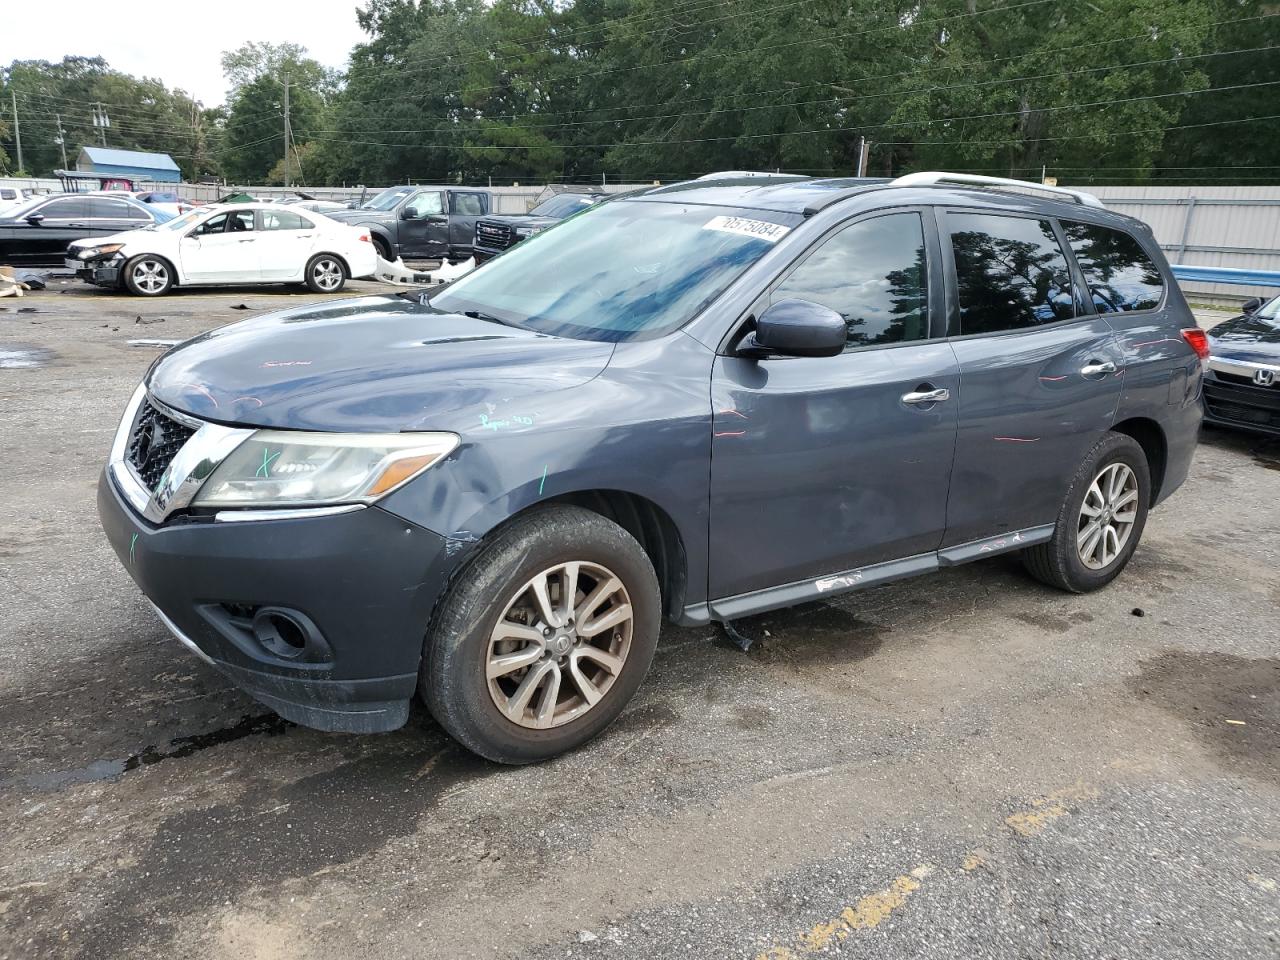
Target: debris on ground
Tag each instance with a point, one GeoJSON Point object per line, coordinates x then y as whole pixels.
{"type": "Point", "coordinates": [33, 279]}
{"type": "Point", "coordinates": [396, 272]}
{"type": "Point", "coordinates": [141, 319]}
{"type": "Point", "coordinates": [239, 306]}
{"type": "Point", "coordinates": [151, 342]}
{"type": "Point", "coordinates": [10, 286]}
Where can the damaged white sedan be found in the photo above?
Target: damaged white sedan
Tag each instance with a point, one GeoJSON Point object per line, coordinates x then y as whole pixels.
{"type": "Point", "coordinates": [250, 243]}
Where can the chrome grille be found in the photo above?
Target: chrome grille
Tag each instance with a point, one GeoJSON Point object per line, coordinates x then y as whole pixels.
{"type": "Point", "coordinates": [493, 234]}
{"type": "Point", "coordinates": [153, 443]}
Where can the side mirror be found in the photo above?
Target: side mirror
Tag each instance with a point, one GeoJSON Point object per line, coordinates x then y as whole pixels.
{"type": "Point", "coordinates": [1252, 306]}
{"type": "Point", "coordinates": [409, 213]}
{"type": "Point", "coordinates": [35, 219]}
{"type": "Point", "coordinates": [797, 328]}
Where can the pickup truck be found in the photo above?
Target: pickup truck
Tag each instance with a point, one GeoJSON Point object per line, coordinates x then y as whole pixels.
{"type": "Point", "coordinates": [495, 234]}
{"type": "Point", "coordinates": [417, 222]}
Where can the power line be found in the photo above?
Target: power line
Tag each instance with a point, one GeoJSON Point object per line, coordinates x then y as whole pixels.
{"type": "Point", "coordinates": [842, 100]}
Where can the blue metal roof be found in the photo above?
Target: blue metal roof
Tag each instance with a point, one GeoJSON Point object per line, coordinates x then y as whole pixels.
{"type": "Point", "coordinates": [129, 158]}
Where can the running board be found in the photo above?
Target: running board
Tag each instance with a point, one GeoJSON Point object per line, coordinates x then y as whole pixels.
{"type": "Point", "coordinates": [859, 578]}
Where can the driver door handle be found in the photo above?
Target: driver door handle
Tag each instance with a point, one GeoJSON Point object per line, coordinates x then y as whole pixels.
{"type": "Point", "coordinates": [246, 240]}
{"type": "Point", "coordinates": [927, 396]}
{"type": "Point", "coordinates": [1097, 369]}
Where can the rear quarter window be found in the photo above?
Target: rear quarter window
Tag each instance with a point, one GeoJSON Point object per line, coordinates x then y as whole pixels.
{"type": "Point", "coordinates": [1120, 275]}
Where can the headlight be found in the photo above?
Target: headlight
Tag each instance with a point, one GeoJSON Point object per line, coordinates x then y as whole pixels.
{"type": "Point", "coordinates": [280, 467]}
{"type": "Point", "coordinates": [92, 253]}
{"type": "Point", "coordinates": [527, 231]}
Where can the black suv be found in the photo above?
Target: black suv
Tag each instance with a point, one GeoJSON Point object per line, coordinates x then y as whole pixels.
{"type": "Point", "coordinates": [420, 222]}
{"type": "Point", "coordinates": [703, 401]}
{"type": "Point", "coordinates": [495, 234]}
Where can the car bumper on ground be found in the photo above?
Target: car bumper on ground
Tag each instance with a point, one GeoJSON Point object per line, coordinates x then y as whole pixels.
{"type": "Point", "coordinates": [351, 592]}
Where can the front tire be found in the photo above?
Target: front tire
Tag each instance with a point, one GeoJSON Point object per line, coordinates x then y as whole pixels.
{"type": "Point", "coordinates": [544, 637]}
{"type": "Point", "coordinates": [325, 273]}
{"type": "Point", "coordinates": [1101, 520]}
{"type": "Point", "coordinates": [148, 276]}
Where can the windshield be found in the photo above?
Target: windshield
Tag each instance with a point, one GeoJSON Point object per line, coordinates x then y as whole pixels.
{"type": "Point", "coordinates": [1270, 311]}
{"type": "Point", "coordinates": [621, 271]}
{"type": "Point", "coordinates": [186, 220]}
{"type": "Point", "coordinates": [562, 205]}
{"type": "Point", "coordinates": [388, 198]}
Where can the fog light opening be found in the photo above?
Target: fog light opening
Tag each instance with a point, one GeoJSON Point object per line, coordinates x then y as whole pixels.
{"type": "Point", "coordinates": [279, 633]}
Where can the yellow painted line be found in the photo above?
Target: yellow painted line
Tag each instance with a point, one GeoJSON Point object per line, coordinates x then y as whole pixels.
{"type": "Point", "coordinates": [1044, 810]}
{"type": "Point", "coordinates": [867, 914]}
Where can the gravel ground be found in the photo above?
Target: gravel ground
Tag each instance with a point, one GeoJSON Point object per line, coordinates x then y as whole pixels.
{"type": "Point", "coordinates": [967, 766]}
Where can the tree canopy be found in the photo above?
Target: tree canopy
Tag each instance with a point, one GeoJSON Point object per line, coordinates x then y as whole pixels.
{"type": "Point", "coordinates": [580, 90]}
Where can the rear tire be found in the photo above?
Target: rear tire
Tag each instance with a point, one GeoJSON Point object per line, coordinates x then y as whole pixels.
{"type": "Point", "coordinates": [492, 620]}
{"type": "Point", "coordinates": [148, 276]}
{"type": "Point", "coordinates": [325, 273]}
{"type": "Point", "coordinates": [1101, 520]}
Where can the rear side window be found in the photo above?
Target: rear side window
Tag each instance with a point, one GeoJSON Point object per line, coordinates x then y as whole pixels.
{"type": "Point", "coordinates": [467, 204]}
{"type": "Point", "coordinates": [1011, 273]}
{"type": "Point", "coordinates": [107, 208]}
{"type": "Point", "coordinates": [873, 274]}
{"type": "Point", "coordinates": [1120, 275]}
{"type": "Point", "coordinates": [284, 220]}
{"type": "Point", "coordinates": [8, 194]}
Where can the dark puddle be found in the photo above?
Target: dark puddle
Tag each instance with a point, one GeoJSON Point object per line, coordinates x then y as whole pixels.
{"type": "Point", "coordinates": [266, 724]}
{"type": "Point", "coordinates": [1232, 704]}
{"type": "Point", "coordinates": [16, 356]}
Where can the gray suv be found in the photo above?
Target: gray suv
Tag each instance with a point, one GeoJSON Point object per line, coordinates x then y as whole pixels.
{"type": "Point", "coordinates": [702, 401]}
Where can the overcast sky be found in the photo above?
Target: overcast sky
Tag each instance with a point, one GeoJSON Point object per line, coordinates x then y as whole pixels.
{"type": "Point", "coordinates": [180, 42]}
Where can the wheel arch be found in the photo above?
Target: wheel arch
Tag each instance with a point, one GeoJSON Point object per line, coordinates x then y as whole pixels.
{"type": "Point", "coordinates": [170, 262]}
{"type": "Point", "coordinates": [650, 524]}
{"type": "Point", "coordinates": [346, 266]}
{"type": "Point", "coordinates": [1150, 436]}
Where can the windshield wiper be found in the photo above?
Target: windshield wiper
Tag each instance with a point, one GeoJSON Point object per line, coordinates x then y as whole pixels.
{"type": "Point", "coordinates": [481, 315]}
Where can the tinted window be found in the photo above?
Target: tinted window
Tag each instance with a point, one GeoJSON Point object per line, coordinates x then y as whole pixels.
{"type": "Point", "coordinates": [8, 194]}
{"type": "Point", "coordinates": [212, 225]}
{"type": "Point", "coordinates": [1120, 275]}
{"type": "Point", "coordinates": [1010, 271]}
{"type": "Point", "coordinates": [107, 208]}
{"type": "Point", "coordinates": [467, 204]}
{"type": "Point", "coordinates": [284, 220]}
{"type": "Point", "coordinates": [873, 275]}
{"type": "Point", "coordinates": [64, 208]}
{"type": "Point", "coordinates": [241, 221]}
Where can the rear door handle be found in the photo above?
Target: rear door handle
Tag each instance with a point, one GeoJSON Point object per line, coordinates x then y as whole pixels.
{"type": "Point", "coordinates": [1095, 369]}
{"type": "Point", "coordinates": [245, 240]}
{"type": "Point", "coordinates": [927, 396]}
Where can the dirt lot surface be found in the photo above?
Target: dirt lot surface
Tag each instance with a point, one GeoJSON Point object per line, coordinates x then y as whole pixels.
{"type": "Point", "coordinates": [966, 766]}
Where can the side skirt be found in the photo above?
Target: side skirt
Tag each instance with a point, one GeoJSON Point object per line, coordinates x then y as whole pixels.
{"type": "Point", "coordinates": [859, 578]}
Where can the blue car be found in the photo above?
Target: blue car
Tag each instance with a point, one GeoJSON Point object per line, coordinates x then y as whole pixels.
{"type": "Point", "coordinates": [698, 402]}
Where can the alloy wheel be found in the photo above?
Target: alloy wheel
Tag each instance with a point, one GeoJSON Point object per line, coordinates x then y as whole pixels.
{"type": "Point", "coordinates": [327, 274]}
{"type": "Point", "coordinates": [150, 276]}
{"type": "Point", "coordinates": [560, 645]}
{"type": "Point", "coordinates": [1107, 516]}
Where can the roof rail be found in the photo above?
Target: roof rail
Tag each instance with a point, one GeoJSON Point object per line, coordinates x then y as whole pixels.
{"type": "Point", "coordinates": [936, 177]}
{"type": "Point", "coordinates": [750, 175]}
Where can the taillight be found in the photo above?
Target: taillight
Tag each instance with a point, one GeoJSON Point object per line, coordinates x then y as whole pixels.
{"type": "Point", "coordinates": [1198, 341]}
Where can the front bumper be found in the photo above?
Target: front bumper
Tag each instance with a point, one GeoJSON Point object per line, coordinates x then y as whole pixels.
{"type": "Point", "coordinates": [103, 273]}
{"type": "Point", "coordinates": [367, 581]}
{"type": "Point", "coordinates": [1233, 399]}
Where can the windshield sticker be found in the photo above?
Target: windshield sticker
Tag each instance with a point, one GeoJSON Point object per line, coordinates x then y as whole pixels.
{"type": "Point", "coordinates": [760, 229]}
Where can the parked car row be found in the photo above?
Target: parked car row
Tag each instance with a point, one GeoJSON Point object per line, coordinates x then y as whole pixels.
{"type": "Point", "coordinates": [702, 401]}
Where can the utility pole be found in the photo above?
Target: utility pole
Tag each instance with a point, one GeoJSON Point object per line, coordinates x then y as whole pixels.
{"type": "Point", "coordinates": [17, 134]}
{"type": "Point", "coordinates": [286, 131]}
{"type": "Point", "coordinates": [62, 141]}
{"type": "Point", "coordinates": [864, 156]}
{"type": "Point", "coordinates": [101, 121]}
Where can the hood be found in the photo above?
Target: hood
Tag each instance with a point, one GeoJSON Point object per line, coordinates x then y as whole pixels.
{"type": "Point", "coordinates": [376, 364]}
{"type": "Point", "coordinates": [1247, 337]}
{"type": "Point", "coordinates": [362, 216]}
{"type": "Point", "coordinates": [128, 236]}
{"type": "Point", "coordinates": [522, 220]}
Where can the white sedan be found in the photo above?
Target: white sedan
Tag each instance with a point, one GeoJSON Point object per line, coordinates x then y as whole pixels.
{"type": "Point", "coordinates": [244, 243]}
